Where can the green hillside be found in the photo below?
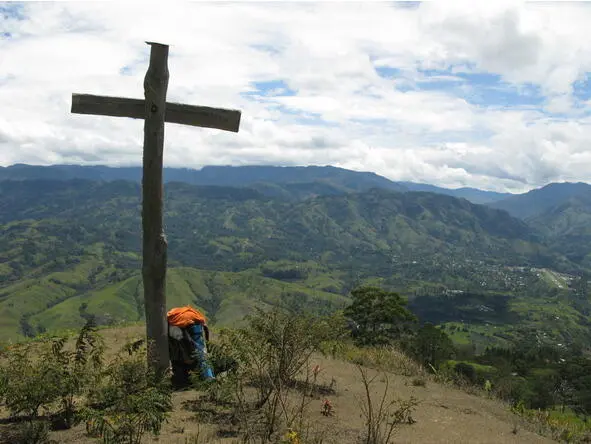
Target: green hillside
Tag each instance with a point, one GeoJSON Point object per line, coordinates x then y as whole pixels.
{"type": "Point", "coordinates": [540, 200]}
{"type": "Point", "coordinates": [239, 228]}
{"type": "Point", "coordinates": [567, 228]}
{"type": "Point", "coordinates": [71, 249]}
{"type": "Point", "coordinates": [64, 299]}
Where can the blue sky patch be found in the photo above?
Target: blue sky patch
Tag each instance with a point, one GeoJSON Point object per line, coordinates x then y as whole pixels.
{"type": "Point", "coordinates": [477, 88]}
{"type": "Point", "coordinates": [582, 88]}
{"type": "Point", "coordinates": [407, 4]}
{"type": "Point", "coordinates": [483, 89]}
{"type": "Point", "coordinates": [314, 120]}
{"type": "Point", "coordinates": [388, 72]}
{"type": "Point", "coordinates": [270, 88]}
{"type": "Point", "coordinates": [266, 48]}
{"type": "Point", "coordinates": [12, 10]}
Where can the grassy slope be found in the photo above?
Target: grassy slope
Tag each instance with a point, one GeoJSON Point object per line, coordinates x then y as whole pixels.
{"type": "Point", "coordinates": [225, 296]}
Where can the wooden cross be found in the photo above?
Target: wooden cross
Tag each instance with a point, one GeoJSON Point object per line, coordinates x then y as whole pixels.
{"type": "Point", "coordinates": [155, 111]}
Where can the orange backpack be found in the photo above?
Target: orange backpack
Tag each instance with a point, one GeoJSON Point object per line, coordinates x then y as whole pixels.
{"type": "Point", "coordinates": [184, 316]}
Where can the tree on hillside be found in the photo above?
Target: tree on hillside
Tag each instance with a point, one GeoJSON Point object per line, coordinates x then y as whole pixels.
{"type": "Point", "coordinates": [380, 314]}
{"type": "Point", "coordinates": [431, 345]}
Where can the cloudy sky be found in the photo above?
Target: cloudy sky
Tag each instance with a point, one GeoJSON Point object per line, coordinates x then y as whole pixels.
{"type": "Point", "coordinates": [454, 93]}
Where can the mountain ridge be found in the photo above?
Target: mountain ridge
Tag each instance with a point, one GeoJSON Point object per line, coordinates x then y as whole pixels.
{"type": "Point", "coordinates": [272, 180]}
{"type": "Point", "coordinates": [540, 200]}
{"type": "Point", "coordinates": [302, 182]}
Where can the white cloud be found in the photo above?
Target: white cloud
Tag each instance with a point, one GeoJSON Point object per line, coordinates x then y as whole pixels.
{"type": "Point", "coordinates": [334, 57]}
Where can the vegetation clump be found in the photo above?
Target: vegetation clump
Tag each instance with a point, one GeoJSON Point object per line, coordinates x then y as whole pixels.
{"type": "Point", "coordinates": [54, 383]}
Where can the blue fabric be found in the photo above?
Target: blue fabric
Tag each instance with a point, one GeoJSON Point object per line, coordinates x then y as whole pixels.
{"type": "Point", "coordinates": [197, 335]}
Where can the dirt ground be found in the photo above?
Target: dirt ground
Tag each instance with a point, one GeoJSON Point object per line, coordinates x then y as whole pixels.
{"type": "Point", "coordinates": [443, 415]}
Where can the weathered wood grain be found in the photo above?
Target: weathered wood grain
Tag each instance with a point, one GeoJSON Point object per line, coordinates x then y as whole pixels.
{"type": "Point", "coordinates": [203, 116]}
{"type": "Point", "coordinates": [154, 240]}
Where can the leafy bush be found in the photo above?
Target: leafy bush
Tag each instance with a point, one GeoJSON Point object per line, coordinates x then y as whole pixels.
{"type": "Point", "coordinates": [28, 384]}
{"type": "Point", "coordinates": [129, 402]}
{"type": "Point", "coordinates": [37, 374]}
{"type": "Point", "coordinates": [276, 345]}
{"type": "Point", "coordinates": [74, 371]}
{"type": "Point", "coordinates": [124, 400]}
{"type": "Point", "coordinates": [31, 432]}
{"type": "Point", "coordinates": [273, 354]}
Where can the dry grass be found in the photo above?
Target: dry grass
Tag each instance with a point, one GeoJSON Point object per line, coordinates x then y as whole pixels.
{"type": "Point", "coordinates": [389, 359]}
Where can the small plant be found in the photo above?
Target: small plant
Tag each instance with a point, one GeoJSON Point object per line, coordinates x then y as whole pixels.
{"type": "Point", "coordinates": [219, 391]}
{"type": "Point", "coordinates": [327, 409]}
{"type": "Point", "coordinates": [275, 347]}
{"type": "Point", "coordinates": [419, 382]}
{"type": "Point", "coordinates": [32, 432]}
{"type": "Point", "coordinates": [292, 437]}
{"type": "Point", "coordinates": [383, 417]}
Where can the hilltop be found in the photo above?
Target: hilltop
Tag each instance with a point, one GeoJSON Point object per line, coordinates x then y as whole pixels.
{"type": "Point", "coordinates": [440, 413]}
{"type": "Point", "coordinates": [541, 200]}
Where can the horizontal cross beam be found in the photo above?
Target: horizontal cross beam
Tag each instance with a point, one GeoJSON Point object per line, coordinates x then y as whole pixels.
{"type": "Point", "coordinates": [203, 116]}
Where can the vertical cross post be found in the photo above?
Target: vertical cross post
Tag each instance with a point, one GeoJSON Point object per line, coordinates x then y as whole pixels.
{"type": "Point", "coordinates": [155, 111]}
{"type": "Point", "coordinates": [154, 240]}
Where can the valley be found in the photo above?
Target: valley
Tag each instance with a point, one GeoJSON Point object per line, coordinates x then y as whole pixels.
{"type": "Point", "coordinates": [71, 249]}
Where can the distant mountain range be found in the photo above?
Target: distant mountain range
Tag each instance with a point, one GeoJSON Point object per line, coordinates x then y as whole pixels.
{"type": "Point", "coordinates": [541, 200]}
{"type": "Point", "coordinates": [287, 182]}
{"type": "Point", "coordinates": [297, 183]}
{"type": "Point", "coordinates": [244, 236]}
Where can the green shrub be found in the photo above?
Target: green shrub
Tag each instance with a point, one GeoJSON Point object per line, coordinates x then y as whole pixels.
{"type": "Point", "coordinates": [273, 354]}
{"type": "Point", "coordinates": [28, 384]}
{"type": "Point", "coordinates": [129, 402]}
{"type": "Point", "coordinates": [74, 371]}
{"type": "Point", "coordinates": [278, 344]}
{"type": "Point", "coordinates": [37, 374]}
{"type": "Point", "coordinates": [31, 432]}
{"type": "Point", "coordinates": [466, 370]}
